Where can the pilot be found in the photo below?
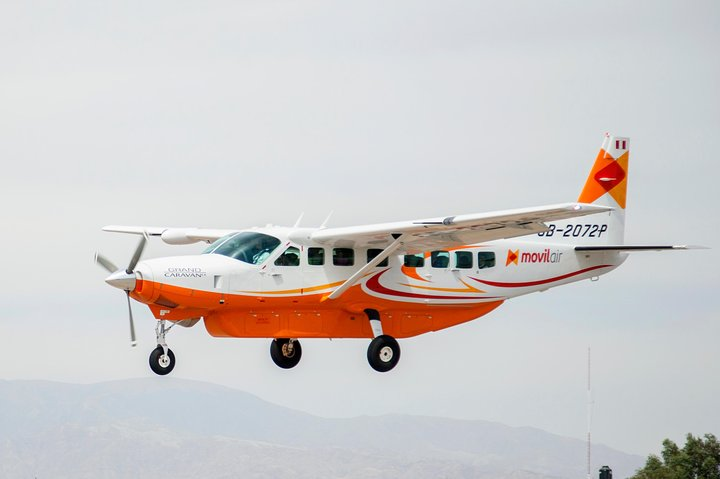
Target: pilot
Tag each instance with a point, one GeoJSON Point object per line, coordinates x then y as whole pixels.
{"type": "Point", "coordinates": [261, 251]}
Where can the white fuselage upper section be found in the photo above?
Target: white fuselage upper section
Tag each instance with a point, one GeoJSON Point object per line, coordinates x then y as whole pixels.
{"type": "Point", "coordinates": [489, 272]}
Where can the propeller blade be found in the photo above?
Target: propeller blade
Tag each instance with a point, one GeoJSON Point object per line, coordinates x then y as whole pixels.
{"type": "Point", "coordinates": [136, 256]}
{"type": "Point", "coordinates": [105, 263]}
{"type": "Point", "coordinates": [133, 342]}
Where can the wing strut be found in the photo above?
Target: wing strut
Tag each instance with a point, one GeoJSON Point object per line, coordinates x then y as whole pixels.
{"type": "Point", "coordinates": [362, 271]}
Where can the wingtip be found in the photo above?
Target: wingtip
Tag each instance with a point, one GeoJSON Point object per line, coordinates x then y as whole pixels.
{"type": "Point", "coordinates": [590, 207]}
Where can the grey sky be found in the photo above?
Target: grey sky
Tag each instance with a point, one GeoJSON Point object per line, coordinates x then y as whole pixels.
{"type": "Point", "coordinates": [232, 114]}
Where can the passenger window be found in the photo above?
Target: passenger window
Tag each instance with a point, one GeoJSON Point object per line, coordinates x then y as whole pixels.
{"type": "Point", "coordinates": [316, 256]}
{"type": "Point", "coordinates": [343, 256]}
{"type": "Point", "coordinates": [463, 259]}
{"type": "Point", "coordinates": [486, 259]}
{"type": "Point", "coordinates": [414, 260]}
{"type": "Point", "coordinates": [439, 259]}
{"type": "Point", "coordinates": [291, 257]}
{"type": "Point", "coordinates": [372, 253]}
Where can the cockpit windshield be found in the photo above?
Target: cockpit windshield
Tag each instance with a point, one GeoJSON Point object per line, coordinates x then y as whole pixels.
{"type": "Point", "coordinates": [248, 246]}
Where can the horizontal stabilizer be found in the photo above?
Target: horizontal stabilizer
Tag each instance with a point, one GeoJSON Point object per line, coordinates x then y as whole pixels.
{"type": "Point", "coordinates": [630, 248]}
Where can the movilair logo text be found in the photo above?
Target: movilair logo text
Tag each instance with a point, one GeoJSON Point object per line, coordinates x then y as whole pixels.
{"type": "Point", "coordinates": [545, 256]}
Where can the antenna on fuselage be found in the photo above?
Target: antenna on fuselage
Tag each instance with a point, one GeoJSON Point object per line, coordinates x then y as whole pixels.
{"type": "Point", "coordinates": [324, 223]}
{"type": "Point", "coordinates": [589, 413]}
{"type": "Point", "coordinates": [297, 223]}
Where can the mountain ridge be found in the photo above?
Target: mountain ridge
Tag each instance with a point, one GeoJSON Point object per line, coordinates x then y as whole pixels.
{"type": "Point", "coordinates": [103, 425]}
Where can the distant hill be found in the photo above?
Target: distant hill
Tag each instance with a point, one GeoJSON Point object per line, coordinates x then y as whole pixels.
{"type": "Point", "coordinates": [164, 427]}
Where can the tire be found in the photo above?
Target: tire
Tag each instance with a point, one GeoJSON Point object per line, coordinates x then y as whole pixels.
{"type": "Point", "coordinates": [278, 353]}
{"type": "Point", "coordinates": [161, 364]}
{"type": "Point", "coordinates": [383, 353]}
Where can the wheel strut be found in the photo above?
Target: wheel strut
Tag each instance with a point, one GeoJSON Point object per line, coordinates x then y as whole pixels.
{"type": "Point", "coordinates": [375, 324]}
{"type": "Point", "coordinates": [160, 331]}
{"type": "Point", "coordinates": [162, 359]}
{"type": "Point", "coordinates": [384, 351]}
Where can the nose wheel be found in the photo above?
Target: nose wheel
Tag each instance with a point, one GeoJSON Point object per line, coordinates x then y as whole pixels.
{"type": "Point", "coordinates": [162, 359]}
{"type": "Point", "coordinates": [285, 352]}
{"type": "Point", "coordinates": [162, 362]}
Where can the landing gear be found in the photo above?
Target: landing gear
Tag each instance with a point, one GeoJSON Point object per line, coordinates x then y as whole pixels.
{"type": "Point", "coordinates": [384, 351]}
{"type": "Point", "coordinates": [162, 362]}
{"type": "Point", "coordinates": [162, 359]}
{"type": "Point", "coordinates": [285, 352]}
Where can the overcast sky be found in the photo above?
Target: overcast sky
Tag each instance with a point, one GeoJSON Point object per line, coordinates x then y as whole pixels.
{"type": "Point", "coordinates": [240, 113]}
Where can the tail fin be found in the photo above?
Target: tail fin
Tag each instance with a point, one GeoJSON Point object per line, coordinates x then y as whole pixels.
{"type": "Point", "coordinates": [606, 185]}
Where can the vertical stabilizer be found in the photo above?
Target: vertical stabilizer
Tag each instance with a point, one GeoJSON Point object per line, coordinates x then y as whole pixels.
{"type": "Point", "coordinates": [606, 185]}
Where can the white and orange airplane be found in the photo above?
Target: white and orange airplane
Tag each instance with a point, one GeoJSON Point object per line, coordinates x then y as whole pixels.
{"type": "Point", "coordinates": [381, 281]}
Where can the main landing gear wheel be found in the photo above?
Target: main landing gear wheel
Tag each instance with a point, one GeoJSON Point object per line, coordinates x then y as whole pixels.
{"type": "Point", "coordinates": [285, 352]}
{"type": "Point", "coordinates": [160, 362]}
{"type": "Point", "coordinates": [383, 353]}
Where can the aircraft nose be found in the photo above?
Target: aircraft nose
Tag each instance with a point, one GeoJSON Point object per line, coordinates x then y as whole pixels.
{"type": "Point", "coordinates": [121, 279]}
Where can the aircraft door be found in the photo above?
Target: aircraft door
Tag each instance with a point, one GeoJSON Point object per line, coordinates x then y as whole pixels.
{"type": "Point", "coordinates": [314, 269]}
{"type": "Point", "coordinates": [283, 273]}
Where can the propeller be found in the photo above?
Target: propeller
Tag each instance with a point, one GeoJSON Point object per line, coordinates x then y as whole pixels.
{"type": "Point", "coordinates": [133, 341]}
{"type": "Point", "coordinates": [124, 278]}
{"type": "Point", "coordinates": [105, 263]}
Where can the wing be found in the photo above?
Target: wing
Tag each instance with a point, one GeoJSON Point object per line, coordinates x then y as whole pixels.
{"type": "Point", "coordinates": [452, 231]}
{"type": "Point", "coordinates": [174, 236]}
{"type": "Point", "coordinates": [627, 248]}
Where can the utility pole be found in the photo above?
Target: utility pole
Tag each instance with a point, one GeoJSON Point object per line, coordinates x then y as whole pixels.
{"type": "Point", "coordinates": [589, 413]}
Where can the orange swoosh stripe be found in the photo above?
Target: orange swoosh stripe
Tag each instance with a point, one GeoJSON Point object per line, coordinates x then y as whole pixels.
{"type": "Point", "coordinates": [297, 291]}
{"type": "Point", "coordinates": [467, 289]}
{"type": "Point", "coordinates": [412, 273]}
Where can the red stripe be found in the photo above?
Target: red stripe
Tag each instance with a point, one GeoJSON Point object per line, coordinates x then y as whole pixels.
{"type": "Point", "coordinates": [542, 281]}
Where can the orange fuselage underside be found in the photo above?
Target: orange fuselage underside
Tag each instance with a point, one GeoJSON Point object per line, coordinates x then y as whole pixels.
{"type": "Point", "coordinates": [303, 316]}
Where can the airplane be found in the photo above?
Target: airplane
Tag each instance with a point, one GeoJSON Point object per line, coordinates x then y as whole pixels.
{"type": "Point", "coordinates": [380, 282]}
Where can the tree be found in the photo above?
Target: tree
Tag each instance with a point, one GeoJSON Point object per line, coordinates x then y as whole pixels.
{"type": "Point", "coordinates": [698, 459]}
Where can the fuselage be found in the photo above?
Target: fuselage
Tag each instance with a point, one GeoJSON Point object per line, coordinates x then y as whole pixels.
{"type": "Point", "coordinates": [265, 283]}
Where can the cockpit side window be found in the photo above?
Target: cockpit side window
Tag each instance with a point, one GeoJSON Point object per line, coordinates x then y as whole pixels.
{"type": "Point", "coordinates": [248, 247]}
{"type": "Point", "coordinates": [290, 257]}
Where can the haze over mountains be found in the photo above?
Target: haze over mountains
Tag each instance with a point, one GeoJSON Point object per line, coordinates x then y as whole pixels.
{"type": "Point", "coordinates": [179, 428]}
